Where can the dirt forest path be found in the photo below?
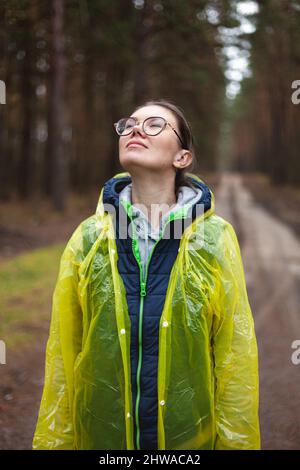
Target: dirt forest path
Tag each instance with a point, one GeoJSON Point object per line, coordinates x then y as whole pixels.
{"type": "Point", "coordinates": [271, 257]}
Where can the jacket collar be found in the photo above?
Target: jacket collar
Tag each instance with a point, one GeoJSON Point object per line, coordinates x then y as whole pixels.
{"type": "Point", "coordinates": [110, 195]}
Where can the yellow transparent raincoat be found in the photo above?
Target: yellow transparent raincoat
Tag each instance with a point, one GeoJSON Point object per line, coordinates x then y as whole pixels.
{"type": "Point", "coordinates": [208, 361]}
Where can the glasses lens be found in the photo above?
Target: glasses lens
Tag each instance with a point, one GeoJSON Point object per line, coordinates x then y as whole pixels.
{"type": "Point", "coordinates": [154, 125]}
{"type": "Point", "coordinates": [125, 126]}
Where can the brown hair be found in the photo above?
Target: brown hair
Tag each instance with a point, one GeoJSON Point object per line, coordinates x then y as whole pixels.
{"type": "Point", "coordinates": [186, 136]}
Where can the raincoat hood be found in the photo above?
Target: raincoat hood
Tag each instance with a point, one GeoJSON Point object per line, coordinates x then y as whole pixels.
{"type": "Point", "coordinates": [162, 361]}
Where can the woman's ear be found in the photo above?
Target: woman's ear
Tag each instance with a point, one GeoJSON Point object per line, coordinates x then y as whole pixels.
{"type": "Point", "coordinates": [183, 160]}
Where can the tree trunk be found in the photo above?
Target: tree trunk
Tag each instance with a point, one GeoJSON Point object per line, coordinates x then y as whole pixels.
{"type": "Point", "coordinates": [59, 177]}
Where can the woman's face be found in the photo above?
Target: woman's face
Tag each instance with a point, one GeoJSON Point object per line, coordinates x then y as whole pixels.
{"type": "Point", "coordinates": [160, 151]}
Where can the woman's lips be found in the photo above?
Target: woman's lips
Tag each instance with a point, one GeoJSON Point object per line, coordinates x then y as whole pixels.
{"type": "Point", "coordinates": [136, 145]}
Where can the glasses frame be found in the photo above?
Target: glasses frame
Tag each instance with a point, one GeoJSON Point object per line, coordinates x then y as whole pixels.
{"type": "Point", "coordinates": [151, 117]}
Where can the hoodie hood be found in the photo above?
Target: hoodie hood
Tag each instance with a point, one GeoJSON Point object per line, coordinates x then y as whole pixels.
{"type": "Point", "coordinates": [187, 197]}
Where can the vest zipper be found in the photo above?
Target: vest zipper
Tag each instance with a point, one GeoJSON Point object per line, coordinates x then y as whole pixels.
{"type": "Point", "coordinates": [143, 293]}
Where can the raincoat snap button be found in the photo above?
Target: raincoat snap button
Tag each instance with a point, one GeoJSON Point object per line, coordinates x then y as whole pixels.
{"type": "Point", "coordinates": [162, 402]}
{"type": "Point", "coordinates": [128, 415]}
{"type": "Point", "coordinates": [113, 251]}
{"type": "Point", "coordinates": [165, 323]}
{"type": "Point", "coordinates": [122, 331]}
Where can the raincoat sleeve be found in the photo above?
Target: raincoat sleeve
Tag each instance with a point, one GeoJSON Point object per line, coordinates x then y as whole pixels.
{"type": "Point", "coordinates": [235, 354]}
{"type": "Point", "coordinates": [54, 429]}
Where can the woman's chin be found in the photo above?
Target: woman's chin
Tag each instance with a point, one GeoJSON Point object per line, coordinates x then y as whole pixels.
{"type": "Point", "coordinates": [133, 160]}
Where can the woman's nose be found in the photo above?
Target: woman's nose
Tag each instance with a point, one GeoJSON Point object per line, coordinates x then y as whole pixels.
{"type": "Point", "coordinates": [137, 126]}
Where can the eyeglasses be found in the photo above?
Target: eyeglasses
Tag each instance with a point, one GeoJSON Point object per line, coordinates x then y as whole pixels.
{"type": "Point", "coordinates": [151, 126]}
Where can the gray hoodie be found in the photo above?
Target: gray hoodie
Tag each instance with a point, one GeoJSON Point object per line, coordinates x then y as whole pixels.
{"type": "Point", "coordinates": [147, 235]}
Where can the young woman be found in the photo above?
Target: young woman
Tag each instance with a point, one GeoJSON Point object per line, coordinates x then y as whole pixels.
{"type": "Point", "coordinates": [152, 342]}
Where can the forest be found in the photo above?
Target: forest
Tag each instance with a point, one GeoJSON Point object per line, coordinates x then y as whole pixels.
{"type": "Point", "coordinates": [72, 68]}
{"type": "Point", "coordinates": [69, 70]}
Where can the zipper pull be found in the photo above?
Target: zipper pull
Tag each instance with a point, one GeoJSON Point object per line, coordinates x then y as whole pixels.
{"type": "Point", "coordinates": [143, 288]}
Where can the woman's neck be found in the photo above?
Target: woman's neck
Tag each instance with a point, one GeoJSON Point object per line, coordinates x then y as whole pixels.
{"type": "Point", "coordinates": [154, 197]}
